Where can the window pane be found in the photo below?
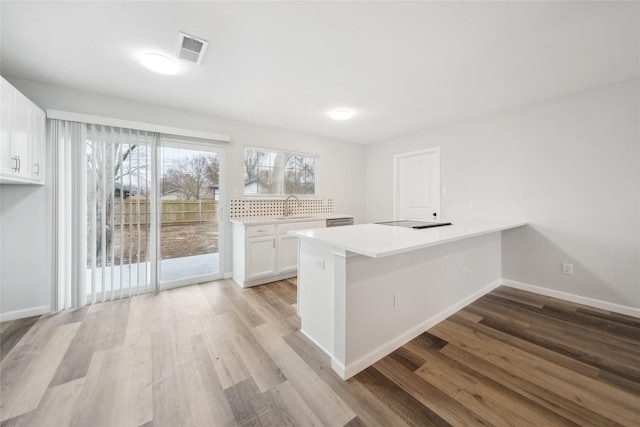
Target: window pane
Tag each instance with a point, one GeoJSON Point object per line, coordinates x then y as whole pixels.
{"type": "Point", "coordinates": [270, 172]}
{"type": "Point", "coordinates": [300, 175]}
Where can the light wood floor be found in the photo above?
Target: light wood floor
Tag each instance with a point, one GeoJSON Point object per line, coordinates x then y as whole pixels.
{"type": "Point", "coordinates": [218, 355]}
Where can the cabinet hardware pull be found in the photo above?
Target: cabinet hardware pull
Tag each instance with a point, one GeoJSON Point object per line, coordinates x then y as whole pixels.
{"type": "Point", "coordinates": [15, 159]}
{"type": "Point", "coordinates": [37, 170]}
{"type": "Point", "coordinates": [274, 243]}
{"type": "Point", "coordinates": [19, 164]}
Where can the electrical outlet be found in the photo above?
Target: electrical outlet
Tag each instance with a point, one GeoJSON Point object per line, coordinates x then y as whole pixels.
{"type": "Point", "coordinates": [320, 263]}
{"type": "Point", "coordinates": [567, 269]}
{"type": "Point", "coordinates": [472, 205]}
{"type": "Point", "coordinates": [396, 301]}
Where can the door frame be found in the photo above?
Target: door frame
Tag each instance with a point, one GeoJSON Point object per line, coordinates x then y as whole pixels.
{"type": "Point", "coordinates": [396, 158]}
{"type": "Point", "coordinates": [196, 145]}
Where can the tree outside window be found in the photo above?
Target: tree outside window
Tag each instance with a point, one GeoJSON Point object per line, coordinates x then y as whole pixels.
{"type": "Point", "coordinates": [278, 173]}
{"type": "Point", "coordinates": [191, 178]}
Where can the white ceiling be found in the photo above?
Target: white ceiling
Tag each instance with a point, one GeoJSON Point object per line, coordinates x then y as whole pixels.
{"type": "Point", "coordinates": [401, 66]}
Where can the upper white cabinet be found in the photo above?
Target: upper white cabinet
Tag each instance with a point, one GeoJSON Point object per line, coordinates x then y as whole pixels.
{"type": "Point", "coordinates": [22, 139]}
{"type": "Point", "coordinates": [38, 147]}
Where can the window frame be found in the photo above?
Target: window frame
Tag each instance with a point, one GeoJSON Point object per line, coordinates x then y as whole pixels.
{"type": "Point", "coordinates": [315, 156]}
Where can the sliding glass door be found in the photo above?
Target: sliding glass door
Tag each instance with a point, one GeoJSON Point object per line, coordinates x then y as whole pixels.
{"type": "Point", "coordinates": [190, 206]}
{"type": "Point", "coordinates": [152, 206]}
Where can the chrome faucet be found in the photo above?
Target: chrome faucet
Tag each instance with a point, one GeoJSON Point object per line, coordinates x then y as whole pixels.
{"type": "Point", "coordinates": [287, 207]}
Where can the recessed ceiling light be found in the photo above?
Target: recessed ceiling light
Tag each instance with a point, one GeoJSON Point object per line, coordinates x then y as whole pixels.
{"type": "Point", "coordinates": [341, 114]}
{"type": "Point", "coordinates": [159, 63]}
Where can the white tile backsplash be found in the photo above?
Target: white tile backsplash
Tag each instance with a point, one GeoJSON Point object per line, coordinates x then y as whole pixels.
{"type": "Point", "coordinates": [241, 208]}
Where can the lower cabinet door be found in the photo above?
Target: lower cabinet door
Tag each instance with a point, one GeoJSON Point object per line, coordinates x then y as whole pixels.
{"type": "Point", "coordinates": [288, 253]}
{"type": "Point", "coordinates": [260, 257]}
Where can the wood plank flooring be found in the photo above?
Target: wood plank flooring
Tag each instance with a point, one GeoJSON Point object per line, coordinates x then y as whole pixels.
{"type": "Point", "coordinates": [218, 355]}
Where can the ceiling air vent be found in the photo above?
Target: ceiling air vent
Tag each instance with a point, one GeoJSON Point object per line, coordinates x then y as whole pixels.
{"type": "Point", "coordinates": [191, 48]}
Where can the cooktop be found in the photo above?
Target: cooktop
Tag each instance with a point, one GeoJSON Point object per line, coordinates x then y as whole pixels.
{"type": "Point", "coordinates": [414, 224]}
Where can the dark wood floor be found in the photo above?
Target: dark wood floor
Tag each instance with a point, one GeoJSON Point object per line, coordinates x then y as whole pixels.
{"type": "Point", "coordinates": [218, 355]}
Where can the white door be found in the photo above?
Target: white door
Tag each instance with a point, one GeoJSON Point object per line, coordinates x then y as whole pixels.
{"type": "Point", "coordinates": [416, 185]}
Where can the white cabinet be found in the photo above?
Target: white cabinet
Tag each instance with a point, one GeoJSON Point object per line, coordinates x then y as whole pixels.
{"type": "Point", "coordinates": [22, 139]}
{"type": "Point", "coordinates": [266, 253]}
{"type": "Point", "coordinates": [10, 152]}
{"type": "Point", "coordinates": [260, 257]}
{"type": "Point", "coordinates": [287, 253]}
{"type": "Point", "coordinates": [38, 163]}
{"type": "Point", "coordinates": [260, 251]}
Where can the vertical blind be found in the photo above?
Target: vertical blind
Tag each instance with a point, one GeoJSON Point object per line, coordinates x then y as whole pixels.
{"type": "Point", "coordinates": [104, 198]}
{"type": "Point", "coordinates": [119, 211]}
{"type": "Point", "coordinates": [68, 208]}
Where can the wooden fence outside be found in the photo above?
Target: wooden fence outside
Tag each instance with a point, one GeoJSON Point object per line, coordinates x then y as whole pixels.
{"type": "Point", "coordinates": [173, 211]}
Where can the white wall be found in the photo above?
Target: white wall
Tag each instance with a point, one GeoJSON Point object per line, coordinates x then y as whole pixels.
{"type": "Point", "coordinates": [340, 176]}
{"type": "Point", "coordinates": [569, 166]}
{"type": "Point", "coordinates": [340, 168]}
{"type": "Point", "coordinates": [24, 256]}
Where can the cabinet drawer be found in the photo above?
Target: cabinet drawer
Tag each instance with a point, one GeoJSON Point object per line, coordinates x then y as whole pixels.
{"type": "Point", "coordinates": [260, 230]}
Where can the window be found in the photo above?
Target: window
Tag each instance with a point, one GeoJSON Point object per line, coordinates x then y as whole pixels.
{"type": "Point", "coordinates": [277, 173]}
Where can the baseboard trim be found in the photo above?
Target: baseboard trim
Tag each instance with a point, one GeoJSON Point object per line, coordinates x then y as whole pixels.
{"type": "Point", "coordinates": [27, 312]}
{"type": "Point", "coordinates": [268, 279]}
{"type": "Point", "coordinates": [369, 359]}
{"type": "Point", "coordinates": [578, 299]}
{"type": "Point", "coordinates": [317, 344]}
{"type": "Point", "coordinates": [339, 369]}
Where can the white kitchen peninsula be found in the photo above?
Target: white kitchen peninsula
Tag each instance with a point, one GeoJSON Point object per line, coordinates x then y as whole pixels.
{"type": "Point", "coordinates": [365, 290]}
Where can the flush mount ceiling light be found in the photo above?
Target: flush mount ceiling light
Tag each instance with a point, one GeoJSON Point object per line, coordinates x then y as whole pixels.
{"type": "Point", "coordinates": [340, 114]}
{"type": "Point", "coordinates": [159, 63]}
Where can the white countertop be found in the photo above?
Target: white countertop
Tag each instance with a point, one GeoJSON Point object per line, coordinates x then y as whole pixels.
{"type": "Point", "coordinates": [282, 219]}
{"type": "Point", "coordinates": [377, 241]}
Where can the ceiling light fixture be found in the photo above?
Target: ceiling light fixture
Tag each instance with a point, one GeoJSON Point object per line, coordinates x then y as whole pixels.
{"type": "Point", "coordinates": [159, 63]}
{"type": "Point", "coordinates": [341, 114]}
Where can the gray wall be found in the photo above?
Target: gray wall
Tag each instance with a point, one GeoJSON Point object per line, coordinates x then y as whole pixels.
{"type": "Point", "coordinates": [569, 166]}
